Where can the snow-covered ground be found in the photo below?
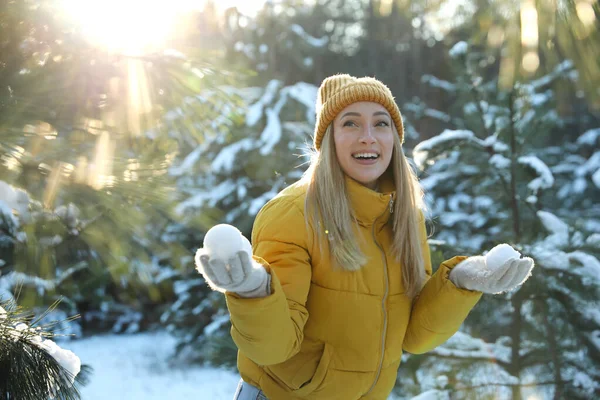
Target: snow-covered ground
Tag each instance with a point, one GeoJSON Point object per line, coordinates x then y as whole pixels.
{"type": "Point", "coordinates": [135, 367]}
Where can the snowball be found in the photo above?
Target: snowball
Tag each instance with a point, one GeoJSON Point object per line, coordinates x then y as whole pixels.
{"type": "Point", "coordinates": [223, 241]}
{"type": "Point", "coordinates": [499, 255]}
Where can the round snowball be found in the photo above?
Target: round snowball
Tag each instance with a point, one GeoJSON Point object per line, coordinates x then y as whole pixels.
{"type": "Point", "coordinates": [223, 241]}
{"type": "Point", "coordinates": [499, 255]}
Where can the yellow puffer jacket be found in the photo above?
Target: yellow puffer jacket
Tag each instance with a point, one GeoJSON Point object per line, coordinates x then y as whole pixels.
{"type": "Point", "coordinates": [333, 334]}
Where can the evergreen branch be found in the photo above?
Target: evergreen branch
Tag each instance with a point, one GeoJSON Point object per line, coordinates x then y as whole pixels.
{"type": "Point", "coordinates": [489, 149]}
{"type": "Point", "coordinates": [452, 355]}
{"type": "Point", "coordinates": [31, 367]}
{"type": "Point", "coordinates": [511, 385]}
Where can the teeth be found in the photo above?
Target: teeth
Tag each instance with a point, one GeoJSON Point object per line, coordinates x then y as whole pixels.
{"type": "Point", "coordinates": [365, 155]}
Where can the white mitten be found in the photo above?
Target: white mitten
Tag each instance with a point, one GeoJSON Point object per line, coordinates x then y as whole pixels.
{"type": "Point", "coordinates": [498, 271]}
{"type": "Point", "coordinates": [227, 265]}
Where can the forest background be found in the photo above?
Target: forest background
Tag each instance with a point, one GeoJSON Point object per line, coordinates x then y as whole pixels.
{"type": "Point", "coordinates": [127, 130]}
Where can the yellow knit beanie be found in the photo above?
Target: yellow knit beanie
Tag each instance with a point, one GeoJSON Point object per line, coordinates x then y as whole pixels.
{"type": "Point", "coordinates": [339, 91]}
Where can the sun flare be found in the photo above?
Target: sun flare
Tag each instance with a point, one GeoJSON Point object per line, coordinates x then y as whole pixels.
{"type": "Point", "coordinates": [139, 26]}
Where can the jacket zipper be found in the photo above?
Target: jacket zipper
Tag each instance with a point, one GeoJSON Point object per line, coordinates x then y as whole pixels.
{"type": "Point", "coordinates": [385, 295]}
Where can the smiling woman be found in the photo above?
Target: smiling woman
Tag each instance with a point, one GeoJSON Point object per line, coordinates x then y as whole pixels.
{"type": "Point", "coordinates": [139, 26]}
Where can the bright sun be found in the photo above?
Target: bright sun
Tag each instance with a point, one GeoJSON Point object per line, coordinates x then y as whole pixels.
{"type": "Point", "coordinates": [139, 26]}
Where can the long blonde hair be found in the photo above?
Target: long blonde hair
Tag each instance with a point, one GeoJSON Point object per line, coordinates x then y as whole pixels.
{"type": "Point", "coordinates": [333, 218]}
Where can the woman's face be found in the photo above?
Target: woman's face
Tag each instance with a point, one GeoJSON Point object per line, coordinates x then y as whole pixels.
{"type": "Point", "coordinates": [364, 140]}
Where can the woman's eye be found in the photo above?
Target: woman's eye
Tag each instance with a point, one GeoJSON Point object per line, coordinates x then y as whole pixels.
{"type": "Point", "coordinates": [382, 123]}
{"type": "Point", "coordinates": [349, 123]}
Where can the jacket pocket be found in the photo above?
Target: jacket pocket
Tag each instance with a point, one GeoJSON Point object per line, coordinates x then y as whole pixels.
{"type": "Point", "coordinates": [304, 372]}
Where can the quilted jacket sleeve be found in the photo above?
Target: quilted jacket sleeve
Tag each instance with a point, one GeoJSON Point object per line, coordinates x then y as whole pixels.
{"type": "Point", "coordinates": [440, 308]}
{"type": "Point", "coordinates": [269, 330]}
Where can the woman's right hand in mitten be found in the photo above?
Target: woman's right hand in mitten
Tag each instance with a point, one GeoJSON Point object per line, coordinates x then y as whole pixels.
{"type": "Point", "coordinates": [226, 263]}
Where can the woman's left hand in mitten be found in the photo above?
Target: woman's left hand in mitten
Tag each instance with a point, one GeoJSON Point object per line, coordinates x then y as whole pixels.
{"type": "Point", "coordinates": [498, 271]}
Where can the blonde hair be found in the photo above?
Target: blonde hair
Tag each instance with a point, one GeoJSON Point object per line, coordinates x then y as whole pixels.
{"type": "Point", "coordinates": [333, 218]}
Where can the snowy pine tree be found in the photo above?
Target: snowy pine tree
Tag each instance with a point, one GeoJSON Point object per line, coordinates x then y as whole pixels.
{"type": "Point", "coordinates": [256, 152]}
{"type": "Point", "coordinates": [491, 178]}
{"type": "Point", "coordinates": [84, 183]}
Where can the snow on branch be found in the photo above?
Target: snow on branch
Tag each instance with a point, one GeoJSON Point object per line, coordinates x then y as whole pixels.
{"type": "Point", "coordinates": [438, 83]}
{"type": "Point", "coordinates": [305, 94]}
{"type": "Point", "coordinates": [14, 278]}
{"type": "Point", "coordinates": [559, 70]}
{"type": "Point", "coordinates": [552, 223]}
{"type": "Point", "coordinates": [311, 40]}
{"type": "Point", "coordinates": [591, 166]}
{"type": "Point", "coordinates": [255, 111]}
{"type": "Point", "coordinates": [589, 137]}
{"type": "Point", "coordinates": [188, 162]}
{"type": "Point", "coordinates": [459, 49]}
{"type": "Point", "coordinates": [209, 198]}
{"type": "Point", "coordinates": [545, 179]}
{"type": "Point", "coordinates": [461, 345]}
{"type": "Point", "coordinates": [421, 150]}
{"type": "Point", "coordinates": [225, 160]}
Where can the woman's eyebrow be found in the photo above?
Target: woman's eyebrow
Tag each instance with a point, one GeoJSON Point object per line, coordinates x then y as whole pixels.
{"type": "Point", "coordinates": [351, 114]}
{"type": "Point", "coordinates": [382, 113]}
{"type": "Point", "coordinates": [355, 114]}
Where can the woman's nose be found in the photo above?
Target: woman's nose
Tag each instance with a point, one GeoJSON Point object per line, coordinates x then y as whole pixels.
{"type": "Point", "coordinates": [367, 136]}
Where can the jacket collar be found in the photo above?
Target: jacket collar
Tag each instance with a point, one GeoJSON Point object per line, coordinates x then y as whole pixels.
{"type": "Point", "coordinates": [368, 205]}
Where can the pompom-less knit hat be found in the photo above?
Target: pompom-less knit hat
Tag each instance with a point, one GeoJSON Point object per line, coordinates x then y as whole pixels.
{"type": "Point", "coordinates": [339, 91]}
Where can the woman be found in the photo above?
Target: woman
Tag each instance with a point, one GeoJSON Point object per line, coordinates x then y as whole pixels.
{"type": "Point", "coordinates": [340, 281]}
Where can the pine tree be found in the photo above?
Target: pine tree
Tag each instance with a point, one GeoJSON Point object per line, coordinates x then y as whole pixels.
{"type": "Point", "coordinates": [85, 153]}
{"type": "Point", "coordinates": [492, 179]}
{"type": "Point", "coordinates": [227, 180]}
{"type": "Point", "coordinates": [32, 365]}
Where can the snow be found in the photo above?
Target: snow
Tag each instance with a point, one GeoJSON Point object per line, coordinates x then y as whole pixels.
{"type": "Point", "coordinates": [216, 324]}
{"type": "Point", "coordinates": [209, 198]}
{"type": "Point", "coordinates": [225, 160]}
{"type": "Point", "coordinates": [559, 230]}
{"type": "Point", "coordinates": [306, 94]}
{"type": "Point", "coordinates": [459, 49]}
{"type": "Point", "coordinates": [432, 395]}
{"type": "Point", "coordinates": [13, 199]}
{"type": "Point", "coordinates": [260, 201]}
{"type": "Point", "coordinates": [436, 114]}
{"type": "Point", "coordinates": [188, 162]}
{"type": "Point", "coordinates": [255, 111]}
{"type": "Point", "coordinates": [593, 240]}
{"type": "Point", "coordinates": [560, 69]}
{"type": "Point", "coordinates": [596, 178]}
{"type": "Point", "coordinates": [66, 358]}
{"type": "Point", "coordinates": [553, 224]}
{"type": "Point", "coordinates": [499, 255]}
{"type": "Point", "coordinates": [223, 241]}
{"type": "Point", "coordinates": [499, 161]}
{"type": "Point", "coordinates": [314, 42]}
{"type": "Point", "coordinates": [420, 151]}
{"type": "Point", "coordinates": [590, 166]}
{"type": "Point", "coordinates": [272, 132]}
{"type": "Point", "coordinates": [22, 331]}
{"type": "Point", "coordinates": [589, 269]}
{"type": "Point", "coordinates": [438, 83]}
{"type": "Point", "coordinates": [136, 367]}
{"type": "Point", "coordinates": [589, 137]}
{"type": "Point", "coordinates": [545, 179]}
